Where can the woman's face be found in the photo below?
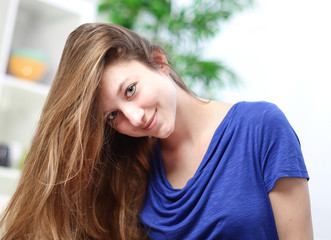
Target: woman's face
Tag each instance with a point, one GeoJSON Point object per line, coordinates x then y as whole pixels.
{"type": "Point", "coordinates": [138, 101]}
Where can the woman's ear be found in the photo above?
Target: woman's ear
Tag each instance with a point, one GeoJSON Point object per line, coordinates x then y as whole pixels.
{"type": "Point", "coordinates": [160, 59]}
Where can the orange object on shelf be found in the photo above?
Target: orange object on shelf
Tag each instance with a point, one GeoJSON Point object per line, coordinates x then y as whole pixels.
{"type": "Point", "coordinates": [27, 64]}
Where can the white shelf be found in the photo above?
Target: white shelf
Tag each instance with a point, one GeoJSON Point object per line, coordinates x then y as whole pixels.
{"type": "Point", "coordinates": [33, 87]}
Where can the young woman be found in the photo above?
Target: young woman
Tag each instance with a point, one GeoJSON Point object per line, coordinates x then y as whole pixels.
{"type": "Point", "coordinates": [124, 150]}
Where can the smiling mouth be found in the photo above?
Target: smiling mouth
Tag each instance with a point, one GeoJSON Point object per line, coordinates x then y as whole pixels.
{"type": "Point", "coordinates": [151, 123]}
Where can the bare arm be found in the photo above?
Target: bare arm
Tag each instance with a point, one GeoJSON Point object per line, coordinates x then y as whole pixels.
{"type": "Point", "coordinates": [291, 207]}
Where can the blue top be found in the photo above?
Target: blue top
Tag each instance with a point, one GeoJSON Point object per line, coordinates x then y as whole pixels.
{"type": "Point", "coordinates": [227, 198]}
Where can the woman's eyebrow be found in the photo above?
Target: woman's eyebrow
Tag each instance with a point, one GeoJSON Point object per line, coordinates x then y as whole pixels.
{"type": "Point", "coordinates": [105, 113]}
{"type": "Point", "coordinates": [121, 85]}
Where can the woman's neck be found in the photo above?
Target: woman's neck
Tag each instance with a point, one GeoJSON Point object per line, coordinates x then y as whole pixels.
{"type": "Point", "coordinates": [195, 124]}
{"type": "Point", "coordinates": [189, 113]}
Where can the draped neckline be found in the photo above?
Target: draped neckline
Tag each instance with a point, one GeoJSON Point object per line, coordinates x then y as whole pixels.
{"type": "Point", "coordinates": [166, 186]}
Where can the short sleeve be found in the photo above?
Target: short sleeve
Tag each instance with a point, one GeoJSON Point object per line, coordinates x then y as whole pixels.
{"type": "Point", "coordinates": [281, 154]}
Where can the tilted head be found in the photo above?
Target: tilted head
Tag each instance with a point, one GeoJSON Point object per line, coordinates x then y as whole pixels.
{"type": "Point", "coordinates": [88, 50]}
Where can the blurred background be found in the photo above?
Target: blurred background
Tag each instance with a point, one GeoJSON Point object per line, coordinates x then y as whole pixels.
{"type": "Point", "coordinates": [245, 50]}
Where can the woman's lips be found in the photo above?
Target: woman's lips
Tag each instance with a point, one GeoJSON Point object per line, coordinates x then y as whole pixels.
{"type": "Point", "coordinates": [152, 122]}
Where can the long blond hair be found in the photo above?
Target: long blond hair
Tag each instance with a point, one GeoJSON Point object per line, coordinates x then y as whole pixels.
{"type": "Point", "coordinates": [81, 179]}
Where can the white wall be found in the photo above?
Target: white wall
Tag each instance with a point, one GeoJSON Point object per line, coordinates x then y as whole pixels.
{"type": "Point", "coordinates": [282, 52]}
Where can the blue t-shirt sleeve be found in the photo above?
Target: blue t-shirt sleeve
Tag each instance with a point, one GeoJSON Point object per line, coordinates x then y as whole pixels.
{"type": "Point", "coordinates": [280, 154]}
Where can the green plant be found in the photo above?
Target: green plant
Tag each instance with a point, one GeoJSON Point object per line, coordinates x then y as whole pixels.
{"type": "Point", "coordinates": [181, 31]}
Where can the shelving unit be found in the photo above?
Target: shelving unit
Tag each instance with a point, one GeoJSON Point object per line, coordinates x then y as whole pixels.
{"type": "Point", "coordinates": [41, 25]}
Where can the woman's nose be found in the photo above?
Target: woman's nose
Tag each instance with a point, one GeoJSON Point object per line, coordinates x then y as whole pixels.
{"type": "Point", "coordinates": [134, 114]}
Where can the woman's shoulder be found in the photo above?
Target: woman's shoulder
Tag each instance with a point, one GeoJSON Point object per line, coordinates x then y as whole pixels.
{"type": "Point", "coordinates": [256, 109]}
{"type": "Point", "coordinates": [247, 114]}
{"type": "Point", "coordinates": [257, 106]}
{"type": "Point", "coordinates": [256, 113]}
{"type": "Point", "coordinates": [244, 107]}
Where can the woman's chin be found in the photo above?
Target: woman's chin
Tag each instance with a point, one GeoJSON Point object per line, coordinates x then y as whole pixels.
{"type": "Point", "coordinates": [165, 132]}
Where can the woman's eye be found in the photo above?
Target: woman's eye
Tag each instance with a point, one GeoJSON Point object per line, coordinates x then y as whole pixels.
{"type": "Point", "coordinates": [130, 91]}
{"type": "Point", "coordinates": [111, 116]}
